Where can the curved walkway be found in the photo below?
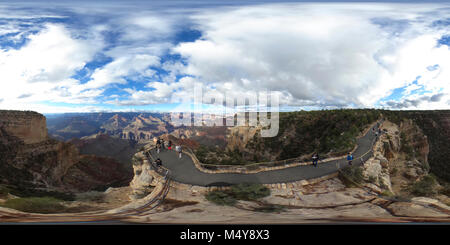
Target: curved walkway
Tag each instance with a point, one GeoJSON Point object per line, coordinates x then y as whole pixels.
{"type": "Point", "coordinates": [183, 170]}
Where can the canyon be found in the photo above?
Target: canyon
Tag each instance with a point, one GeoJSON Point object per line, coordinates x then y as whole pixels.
{"type": "Point", "coordinates": [402, 159]}
{"type": "Point", "coordinates": [31, 160]}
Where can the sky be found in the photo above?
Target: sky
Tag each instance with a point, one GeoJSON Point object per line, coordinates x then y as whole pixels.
{"type": "Point", "coordinates": [79, 56]}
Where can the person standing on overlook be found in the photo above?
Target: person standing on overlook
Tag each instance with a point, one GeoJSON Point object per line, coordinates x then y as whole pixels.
{"type": "Point", "coordinates": [349, 158]}
{"type": "Point", "coordinates": [158, 145]}
{"type": "Point", "coordinates": [179, 150]}
{"type": "Point", "coordinates": [315, 159]}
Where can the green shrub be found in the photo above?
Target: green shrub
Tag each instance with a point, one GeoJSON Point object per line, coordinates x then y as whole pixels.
{"type": "Point", "coordinates": [445, 190]}
{"type": "Point", "coordinates": [220, 198]}
{"type": "Point", "coordinates": [249, 192]}
{"type": "Point", "coordinates": [93, 196]}
{"type": "Point", "coordinates": [351, 175]}
{"type": "Point", "coordinates": [27, 192]}
{"type": "Point", "coordinates": [243, 191]}
{"type": "Point", "coordinates": [387, 193]}
{"type": "Point", "coordinates": [4, 191]}
{"type": "Point", "coordinates": [424, 187]}
{"type": "Point", "coordinates": [35, 204]}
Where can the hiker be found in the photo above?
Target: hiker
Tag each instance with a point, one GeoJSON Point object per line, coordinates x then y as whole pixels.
{"type": "Point", "coordinates": [158, 162]}
{"type": "Point", "coordinates": [169, 145]}
{"type": "Point", "coordinates": [349, 158]}
{"type": "Point", "coordinates": [315, 159]}
{"type": "Point", "coordinates": [162, 144]}
{"type": "Point", "coordinates": [179, 150]}
{"type": "Point", "coordinates": [158, 145]}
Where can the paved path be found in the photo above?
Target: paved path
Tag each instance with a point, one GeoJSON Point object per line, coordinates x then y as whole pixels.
{"type": "Point", "coordinates": [184, 171]}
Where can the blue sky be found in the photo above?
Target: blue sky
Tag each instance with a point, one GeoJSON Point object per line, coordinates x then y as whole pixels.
{"type": "Point", "coordinates": [77, 56]}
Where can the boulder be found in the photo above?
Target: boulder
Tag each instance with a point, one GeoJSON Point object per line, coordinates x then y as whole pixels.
{"type": "Point", "coordinates": [373, 187]}
{"type": "Point", "coordinates": [414, 210]}
{"type": "Point", "coordinates": [411, 174]}
{"type": "Point", "coordinates": [383, 161]}
{"type": "Point", "coordinates": [372, 168]}
{"type": "Point", "coordinates": [430, 202]}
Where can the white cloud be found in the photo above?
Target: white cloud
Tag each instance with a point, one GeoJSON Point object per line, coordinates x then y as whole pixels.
{"type": "Point", "coordinates": [317, 54]}
{"type": "Point", "coordinates": [312, 55]}
{"type": "Point", "coordinates": [43, 67]}
{"type": "Point", "coordinates": [121, 68]}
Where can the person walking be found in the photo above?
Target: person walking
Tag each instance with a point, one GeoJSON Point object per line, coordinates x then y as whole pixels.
{"type": "Point", "coordinates": [169, 145]}
{"type": "Point", "coordinates": [179, 150]}
{"type": "Point", "coordinates": [349, 158]}
{"type": "Point", "coordinates": [158, 145]}
{"type": "Point", "coordinates": [163, 146]}
{"type": "Point", "coordinates": [315, 159]}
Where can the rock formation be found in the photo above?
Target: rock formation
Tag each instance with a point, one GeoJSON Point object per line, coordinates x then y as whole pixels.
{"type": "Point", "coordinates": [30, 127]}
{"type": "Point", "coordinates": [30, 159]}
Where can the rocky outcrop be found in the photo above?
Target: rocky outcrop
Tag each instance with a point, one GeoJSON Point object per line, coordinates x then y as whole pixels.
{"type": "Point", "coordinates": [30, 127]}
{"type": "Point", "coordinates": [377, 173]}
{"type": "Point", "coordinates": [29, 157]}
{"type": "Point", "coordinates": [239, 136]}
{"type": "Point", "coordinates": [143, 128]}
{"type": "Point", "coordinates": [30, 160]}
{"type": "Point", "coordinates": [411, 209]}
{"type": "Point", "coordinates": [143, 177]}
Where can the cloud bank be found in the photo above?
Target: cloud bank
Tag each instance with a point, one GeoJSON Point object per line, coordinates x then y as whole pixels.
{"type": "Point", "coordinates": [125, 57]}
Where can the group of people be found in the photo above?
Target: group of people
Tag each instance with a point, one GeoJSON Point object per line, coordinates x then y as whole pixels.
{"type": "Point", "coordinates": [161, 145]}
{"type": "Point", "coordinates": [315, 159]}
{"type": "Point", "coordinates": [376, 131]}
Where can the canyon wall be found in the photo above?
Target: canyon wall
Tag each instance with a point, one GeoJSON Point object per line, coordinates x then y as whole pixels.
{"type": "Point", "coordinates": [30, 160]}
{"type": "Point", "coordinates": [26, 125]}
{"type": "Point", "coordinates": [29, 157]}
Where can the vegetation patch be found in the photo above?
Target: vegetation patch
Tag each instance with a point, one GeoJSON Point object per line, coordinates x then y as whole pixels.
{"type": "Point", "coordinates": [243, 191]}
{"type": "Point", "coordinates": [90, 196]}
{"type": "Point", "coordinates": [445, 189]}
{"type": "Point", "coordinates": [249, 192]}
{"type": "Point", "coordinates": [387, 193]}
{"type": "Point", "coordinates": [351, 176]}
{"type": "Point", "coordinates": [221, 198]}
{"type": "Point", "coordinates": [4, 191]}
{"type": "Point", "coordinates": [26, 192]}
{"type": "Point", "coordinates": [424, 187]}
{"type": "Point", "coordinates": [43, 205]}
